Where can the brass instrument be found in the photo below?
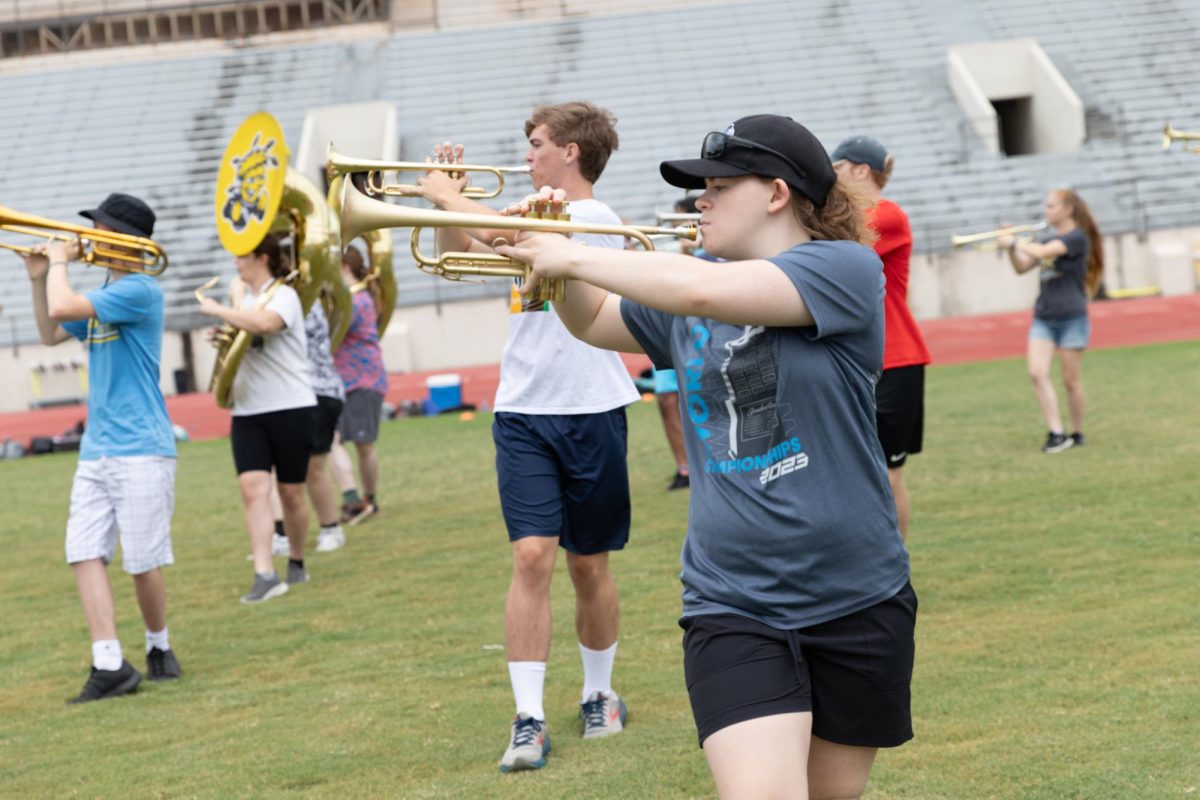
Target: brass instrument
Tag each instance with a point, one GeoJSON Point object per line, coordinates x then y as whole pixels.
{"type": "Point", "coordinates": [676, 216]}
{"type": "Point", "coordinates": [338, 164]}
{"type": "Point", "coordinates": [1171, 134]}
{"type": "Point", "coordinates": [361, 213]}
{"type": "Point", "coordinates": [380, 257]}
{"type": "Point", "coordinates": [107, 249]}
{"type": "Point", "coordinates": [257, 194]}
{"type": "Point", "coordinates": [232, 343]}
{"type": "Point", "coordinates": [987, 239]}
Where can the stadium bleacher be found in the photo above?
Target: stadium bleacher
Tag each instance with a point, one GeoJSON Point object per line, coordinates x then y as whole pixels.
{"type": "Point", "coordinates": [154, 121]}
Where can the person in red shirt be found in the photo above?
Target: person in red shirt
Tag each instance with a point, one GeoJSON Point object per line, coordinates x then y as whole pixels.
{"type": "Point", "coordinates": [900, 393]}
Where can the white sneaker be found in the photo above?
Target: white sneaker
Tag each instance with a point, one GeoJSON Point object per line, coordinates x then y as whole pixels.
{"type": "Point", "coordinates": [603, 715]}
{"type": "Point", "coordinates": [331, 539]}
{"type": "Point", "coordinates": [528, 745]}
{"type": "Point", "coordinates": [279, 545]}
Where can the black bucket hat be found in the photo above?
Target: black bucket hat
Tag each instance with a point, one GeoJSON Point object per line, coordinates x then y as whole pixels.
{"type": "Point", "coordinates": [764, 144]}
{"type": "Point", "coordinates": [124, 213]}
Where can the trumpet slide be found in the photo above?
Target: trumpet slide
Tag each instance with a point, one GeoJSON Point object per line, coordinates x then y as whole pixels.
{"type": "Point", "coordinates": [107, 249]}
{"type": "Point", "coordinates": [338, 164]}
{"type": "Point", "coordinates": [986, 240]}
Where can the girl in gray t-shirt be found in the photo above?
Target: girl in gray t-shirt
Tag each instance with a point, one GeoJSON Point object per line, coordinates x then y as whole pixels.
{"type": "Point", "coordinates": [796, 605]}
{"type": "Point", "coordinates": [1071, 264]}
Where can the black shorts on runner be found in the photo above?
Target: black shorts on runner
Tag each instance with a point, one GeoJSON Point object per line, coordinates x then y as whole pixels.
{"type": "Point", "coordinates": [853, 673]}
{"type": "Point", "coordinates": [900, 413]}
{"type": "Point", "coordinates": [325, 424]}
{"type": "Point", "coordinates": [279, 439]}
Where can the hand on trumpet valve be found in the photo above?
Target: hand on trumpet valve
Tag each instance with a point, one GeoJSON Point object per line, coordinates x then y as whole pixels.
{"type": "Point", "coordinates": [549, 255]}
{"type": "Point", "coordinates": [1006, 241]}
{"type": "Point", "coordinates": [438, 185]}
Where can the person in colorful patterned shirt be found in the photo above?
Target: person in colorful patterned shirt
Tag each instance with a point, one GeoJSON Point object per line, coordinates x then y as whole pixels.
{"type": "Point", "coordinates": [125, 482]}
{"type": "Point", "coordinates": [359, 362]}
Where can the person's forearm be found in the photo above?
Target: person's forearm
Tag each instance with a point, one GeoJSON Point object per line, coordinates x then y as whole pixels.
{"type": "Point", "coordinates": [670, 282]}
{"type": "Point", "coordinates": [59, 294]}
{"type": "Point", "coordinates": [1021, 262]}
{"type": "Point", "coordinates": [460, 238]}
{"type": "Point", "coordinates": [46, 327]}
{"type": "Point", "coordinates": [256, 321]}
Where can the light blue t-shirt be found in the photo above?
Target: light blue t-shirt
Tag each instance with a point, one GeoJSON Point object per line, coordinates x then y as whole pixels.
{"type": "Point", "coordinates": [126, 412]}
{"type": "Point", "coordinates": [792, 522]}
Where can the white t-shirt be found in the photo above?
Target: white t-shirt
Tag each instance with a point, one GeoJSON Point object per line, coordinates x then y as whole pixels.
{"type": "Point", "coordinates": [273, 376]}
{"type": "Point", "coordinates": [546, 370]}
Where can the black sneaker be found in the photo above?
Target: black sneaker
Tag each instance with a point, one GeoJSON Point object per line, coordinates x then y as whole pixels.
{"type": "Point", "coordinates": [162, 665]}
{"type": "Point", "coordinates": [1077, 439]}
{"type": "Point", "coordinates": [1057, 442]}
{"type": "Point", "coordinates": [680, 481]}
{"type": "Point", "coordinates": [104, 683]}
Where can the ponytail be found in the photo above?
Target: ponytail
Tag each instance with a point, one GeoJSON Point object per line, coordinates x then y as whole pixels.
{"type": "Point", "coordinates": [1086, 222]}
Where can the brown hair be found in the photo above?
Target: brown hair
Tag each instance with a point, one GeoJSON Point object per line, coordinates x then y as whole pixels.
{"type": "Point", "coordinates": [1082, 216]}
{"type": "Point", "coordinates": [590, 127]}
{"type": "Point", "coordinates": [881, 178]}
{"type": "Point", "coordinates": [269, 247]}
{"type": "Point", "coordinates": [353, 259]}
{"type": "Point", "coordinates": [844, 215]}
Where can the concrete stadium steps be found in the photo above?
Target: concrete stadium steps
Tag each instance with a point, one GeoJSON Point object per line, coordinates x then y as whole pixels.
{"type": "Point", "coordinates": [157, 128]}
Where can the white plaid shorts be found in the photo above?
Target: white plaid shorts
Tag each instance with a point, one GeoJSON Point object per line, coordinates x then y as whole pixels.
{"type": "Point", "coordinates": [132, 496]}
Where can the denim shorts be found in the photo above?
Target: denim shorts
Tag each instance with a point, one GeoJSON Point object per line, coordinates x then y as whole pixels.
{"type": "Point", "coordinates": [1067, 334]}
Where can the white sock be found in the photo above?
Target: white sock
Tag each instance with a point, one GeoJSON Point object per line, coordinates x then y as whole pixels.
{"type": "Point", "coordinates": [106, 654]}
{"type": "Point", "coordinates": [528, 679]}
{"type": "Point", "coordinates": [597, 669]}
{"type": "Point", "coordinates": [157, 639]}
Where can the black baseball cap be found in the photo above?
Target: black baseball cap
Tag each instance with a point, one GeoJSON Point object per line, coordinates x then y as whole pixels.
{"type": "Point", "coordinates": [764, 144]}
{"type": "Point", "coordinates": [124, 213]}
{"type": "Point", "coordinates": [862, 150]}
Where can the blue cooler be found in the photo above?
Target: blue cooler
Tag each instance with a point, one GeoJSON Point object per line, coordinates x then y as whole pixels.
{"type": "Point", "coordinates": [445, 391]}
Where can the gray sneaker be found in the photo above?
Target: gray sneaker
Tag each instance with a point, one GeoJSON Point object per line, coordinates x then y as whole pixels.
{"type": "Point", "coordinates": [264, 589]}
{"type": "Point", "coordinates": [603, 715]}
{"type": "Point", "coordinates": [296, 574]}
{"type": "Point", "coordinates": [331, 539]}
{"type": "Point", "coordinates": [528, 745]}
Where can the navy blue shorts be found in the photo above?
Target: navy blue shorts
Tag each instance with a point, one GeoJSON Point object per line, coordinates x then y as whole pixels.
{"type": "Point", "coordinates": [564, 476]}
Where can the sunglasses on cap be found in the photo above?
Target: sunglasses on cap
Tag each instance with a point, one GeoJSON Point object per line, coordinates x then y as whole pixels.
{"type": "Point", "coordinates": [715, 144]}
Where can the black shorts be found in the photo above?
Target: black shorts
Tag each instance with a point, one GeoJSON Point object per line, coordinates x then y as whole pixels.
{"type": "Point", "coordinates": [900, 413]}
{"type": "Point", "coordinates": [325, 424]}
{"type": "Point", "coordinates": [853, 673]}
{"type": "Point", "coordinates": [279, 439]}
{"type": "Point", "coordinates": [565, 476]}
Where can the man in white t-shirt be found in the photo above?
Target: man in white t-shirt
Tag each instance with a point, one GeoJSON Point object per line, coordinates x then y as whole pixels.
{"type": "Point", "coordinates": [560, 435]}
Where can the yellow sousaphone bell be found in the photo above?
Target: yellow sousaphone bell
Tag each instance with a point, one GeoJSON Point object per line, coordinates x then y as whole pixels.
{"type": "Point", "coordinates": [257, 194]}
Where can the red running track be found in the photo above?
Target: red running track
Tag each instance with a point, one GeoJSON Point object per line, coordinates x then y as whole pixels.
{"type": "Point", "coordinates": [987, 337]}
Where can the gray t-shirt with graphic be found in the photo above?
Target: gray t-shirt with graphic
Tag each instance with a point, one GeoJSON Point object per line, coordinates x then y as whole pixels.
{"type": "Point", "coordinates": [1063, 294]}
{"type": "Point", "coordinates": [791, 522]}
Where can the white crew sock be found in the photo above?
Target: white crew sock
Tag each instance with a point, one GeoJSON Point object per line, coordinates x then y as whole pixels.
{"type": "Point", "coordinates": [157, 639]}
{"type": "Point", "coordinates": [528, 679]}
{"type": "Point", "coordinates": [106, 654]}
{"type": "Point", "coordinates": [597, 669]}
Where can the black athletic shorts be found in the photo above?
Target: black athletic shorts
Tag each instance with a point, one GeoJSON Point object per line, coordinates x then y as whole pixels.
{"type": "Point", "coordinates": [279, 439]}
{"type": "Point", "coordinates": [325, 424]}
{"type": "Point", "coordinates": [900, 412]}
{"type": "Point", "coordinates": [853, 673]}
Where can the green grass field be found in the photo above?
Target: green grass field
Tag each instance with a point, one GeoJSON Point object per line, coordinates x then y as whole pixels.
{"type": "Point", "coordinates": [1058, 636]}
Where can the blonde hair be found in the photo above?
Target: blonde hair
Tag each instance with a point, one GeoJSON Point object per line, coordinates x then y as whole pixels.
{"type": "Point", "coordinates": [844, 216]}
{"type": "Point", "coordinates": [881, 178]}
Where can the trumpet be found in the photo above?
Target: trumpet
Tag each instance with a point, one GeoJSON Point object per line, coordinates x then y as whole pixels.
{"type": "Point", "coordinates": [107, 249]}
{"type": "Point", "coordinates": [1171, 134]}
{"type": "Point", "coordinates": [987, 239]}
{"type": "Point", "coordinates": [338, 164]}
{"type": "Point", "coordinates": [361, 214]}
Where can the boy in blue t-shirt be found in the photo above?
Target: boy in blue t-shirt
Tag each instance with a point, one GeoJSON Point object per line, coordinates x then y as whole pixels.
{"type": "Point", "coordinates": [125, 482]}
